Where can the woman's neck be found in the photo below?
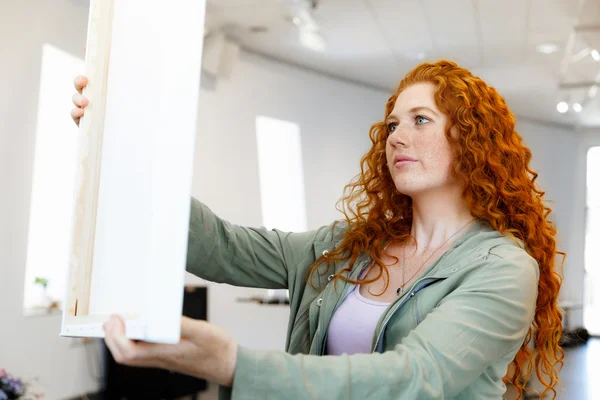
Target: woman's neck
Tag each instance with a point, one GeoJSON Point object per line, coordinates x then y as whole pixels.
{"type": "Point", "coordinates": [438, 218]}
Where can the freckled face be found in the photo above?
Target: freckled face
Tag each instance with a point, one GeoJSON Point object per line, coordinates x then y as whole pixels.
{"type": "Point", "coordinates": [419, 155]}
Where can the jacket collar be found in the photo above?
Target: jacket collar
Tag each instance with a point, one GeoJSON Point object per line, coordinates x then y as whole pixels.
{"type": "Point", "coordinates": [442, 268]}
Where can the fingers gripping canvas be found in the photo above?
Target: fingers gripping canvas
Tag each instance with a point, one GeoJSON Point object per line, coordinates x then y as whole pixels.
{"type": "Point", "coordinates": [135, 161]}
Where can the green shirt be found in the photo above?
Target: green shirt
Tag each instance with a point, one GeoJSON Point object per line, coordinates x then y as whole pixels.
{"type": "Point", "coordinates": [451, 335]}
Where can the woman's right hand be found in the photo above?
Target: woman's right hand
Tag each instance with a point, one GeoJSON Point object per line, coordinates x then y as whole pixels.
{"type": "Point", "coordinates": [80, 102]}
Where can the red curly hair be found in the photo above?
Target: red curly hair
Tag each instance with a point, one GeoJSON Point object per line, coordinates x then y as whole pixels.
{"type": "Point", "coordinates": [492, 164]}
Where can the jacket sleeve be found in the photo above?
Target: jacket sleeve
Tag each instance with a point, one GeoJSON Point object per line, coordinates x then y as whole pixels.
{"type": "Point", "coordinates": [222, 252]}
{"type": "Point", "coordinates": [485, 319]}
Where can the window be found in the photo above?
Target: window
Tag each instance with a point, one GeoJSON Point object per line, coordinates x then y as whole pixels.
{"type": "Point", "coordinates": [591, 313]}
{"type": "Point", "coordinates": [281, 176]}
{"type": "Point", "coordinates": [54, 173]}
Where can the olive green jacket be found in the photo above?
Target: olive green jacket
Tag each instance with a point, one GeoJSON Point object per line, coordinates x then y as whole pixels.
{"type": "Point", "coordinates": [451, 336]}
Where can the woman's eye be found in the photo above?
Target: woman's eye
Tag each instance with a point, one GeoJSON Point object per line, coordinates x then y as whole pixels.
{"type": "Point", "coordinates": [391, 127]}
{"type": "Point", "coordinates": [420, 120]}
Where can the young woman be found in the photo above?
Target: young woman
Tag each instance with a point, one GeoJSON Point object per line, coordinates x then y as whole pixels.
{"type": "Point", "coordinates": [440, 275]}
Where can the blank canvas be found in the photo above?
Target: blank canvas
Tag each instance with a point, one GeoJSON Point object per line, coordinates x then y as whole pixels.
{"type": "Point", "coordinates": [132, 202]}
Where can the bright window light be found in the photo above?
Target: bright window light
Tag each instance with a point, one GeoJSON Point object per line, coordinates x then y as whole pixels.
{"type": "Point", "coordinates": [54, 174]}
{"type": "Point", "coordinates": [595, 55]}
{"type": "Point", "coordinates": [591, 315]}
{"type": "Point", "coordinates": [281, 174]}
{"type": "Point", "coordinates": [281, 178]}
{"type": "Point", "coordinates": [592, 183]}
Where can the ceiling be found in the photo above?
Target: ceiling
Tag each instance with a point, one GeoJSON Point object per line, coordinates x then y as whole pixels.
{"type": "Point", "coordinates": [375, 42]}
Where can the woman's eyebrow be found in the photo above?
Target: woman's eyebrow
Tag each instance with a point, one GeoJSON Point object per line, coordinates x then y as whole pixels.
{"type": "Point", "coordinates": [412, 110]}
{"type": "Point", "coordinates": [423, 108]}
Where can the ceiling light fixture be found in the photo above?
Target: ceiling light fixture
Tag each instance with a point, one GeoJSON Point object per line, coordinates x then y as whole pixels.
{"type": "Point", "coordinates": [581, 54]}
{"type": "Point", "coordinates": [562, 107]}
{"type": "Point", "coordinates": [300, 13]}
{"type": "Point", "coordinates": [313, 40]}
{"type": "Point", "coordinates": [577, 107]}
{"type": "Point", "coordinates": [595, 55]}
{"type": "Point", "coordinates": [547, 48]}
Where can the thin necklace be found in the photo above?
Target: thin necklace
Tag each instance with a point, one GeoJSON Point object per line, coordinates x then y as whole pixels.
{"type": "Point", "coordinates": [400, 290]}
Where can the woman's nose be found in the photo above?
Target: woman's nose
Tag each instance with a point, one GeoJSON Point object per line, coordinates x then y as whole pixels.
{"type": "Point", "coordinates": [399, 136]}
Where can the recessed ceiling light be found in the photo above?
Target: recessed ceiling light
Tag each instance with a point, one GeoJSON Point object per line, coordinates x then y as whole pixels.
{"type": "Point", "coordinates": [577, 107]}
{"type": "Point", "coordinates": [547, 48]}
{"type": "Point", "coordinates": [313, 40]}
{"type": "Point", "coordinates": [562, 107]}
{"type": "Point", "coordinates": [595, 55]}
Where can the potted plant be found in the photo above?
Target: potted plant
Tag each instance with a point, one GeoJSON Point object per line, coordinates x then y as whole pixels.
{"type": "Point", "coordinates": [43, 299]}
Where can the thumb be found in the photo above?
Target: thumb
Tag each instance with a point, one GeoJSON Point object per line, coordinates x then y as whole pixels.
{"type": "Point", "coordinates": [115, 325]}
{"type": "Point", "coordinates": [190, 328]}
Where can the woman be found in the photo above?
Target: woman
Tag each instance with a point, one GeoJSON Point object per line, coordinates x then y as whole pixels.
{"type": "Point", "coordinates": [441, 274]}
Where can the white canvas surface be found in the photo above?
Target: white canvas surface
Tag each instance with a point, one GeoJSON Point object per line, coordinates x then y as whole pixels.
{"type": "Point", "coordinates": [147, 162]}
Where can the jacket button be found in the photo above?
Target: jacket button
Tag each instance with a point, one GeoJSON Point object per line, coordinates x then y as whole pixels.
{"type": "Point", "coordinates": [412, 294]}
{"type": "Point", "coordinates": [319, 302]}
{"type": "Point", "coordinates": [329, 278]}
{"type": "Point", "coordinates": [325, 253]}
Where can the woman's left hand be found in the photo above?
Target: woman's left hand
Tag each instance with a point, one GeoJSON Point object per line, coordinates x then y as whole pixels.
{"type": "Point", "coordinates": [204, 351]}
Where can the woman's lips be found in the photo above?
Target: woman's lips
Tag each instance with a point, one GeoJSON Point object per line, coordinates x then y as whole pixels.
{"type": "Point", "coordinates": [402, 163]}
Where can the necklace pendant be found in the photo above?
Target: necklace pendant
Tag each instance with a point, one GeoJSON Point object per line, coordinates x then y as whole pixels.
{"type": "Point", "coordinates": [400, 291]}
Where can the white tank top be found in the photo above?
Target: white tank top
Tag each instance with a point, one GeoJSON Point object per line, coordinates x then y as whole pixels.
{"type": "Point", "coordinates": [353, 325]}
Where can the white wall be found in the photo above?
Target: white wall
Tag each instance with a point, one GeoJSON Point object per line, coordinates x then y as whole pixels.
{"type": "Point", "coordinates": [334, 118]}
{"type": "Point", "coordinates": [560, 162]}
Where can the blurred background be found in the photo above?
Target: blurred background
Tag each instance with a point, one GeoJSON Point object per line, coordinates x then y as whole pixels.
{"type": "Point", "coordinates": [289, 89]}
